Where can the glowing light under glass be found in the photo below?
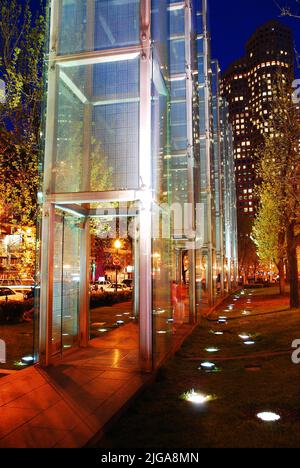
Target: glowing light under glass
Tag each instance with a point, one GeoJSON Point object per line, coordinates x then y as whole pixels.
{"type": "Point", "coordinates": [245, 337]}
{"type": "Point", "coordinates": [212, 350]}
{"type": "Point", "coordinates": [207, 366]}
{"type": "Point", "coordinates": [249, 343]}
{"type": "Point", "coordinates": [196, 397]}
{"type": "Point", "coordinates": [27, 360]}
{"type": "Point", "coordinates": [222, 320]}
{"type": "Point", "coordinates": [268, 416]}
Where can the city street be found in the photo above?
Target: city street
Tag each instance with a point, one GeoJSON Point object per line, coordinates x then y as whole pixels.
{"type": "Point", "coordinates": [249, 379]}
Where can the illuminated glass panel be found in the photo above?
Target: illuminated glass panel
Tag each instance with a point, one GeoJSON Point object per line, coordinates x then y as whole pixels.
{"type": "Point", "coordinates": [87, 25]}
{"type": "Point", "coordinates": [97, 145]}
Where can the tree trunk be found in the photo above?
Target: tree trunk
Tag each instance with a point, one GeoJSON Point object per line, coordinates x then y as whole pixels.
{"type": "Point", "coordinates": [280, 267]}
{"type": "Point", "coordinates": [293, 267]}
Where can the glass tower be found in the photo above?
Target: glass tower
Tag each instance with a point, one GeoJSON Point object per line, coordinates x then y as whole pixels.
{"type": "Point", "coordinates": [132, 152]}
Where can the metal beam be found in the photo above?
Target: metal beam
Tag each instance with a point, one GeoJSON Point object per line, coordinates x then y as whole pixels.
{"type": "Point", "coordinates": [46, 284]}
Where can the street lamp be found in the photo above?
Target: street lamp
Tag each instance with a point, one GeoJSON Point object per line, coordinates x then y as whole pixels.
{"type": "Point", "coordinates": [117, 246]}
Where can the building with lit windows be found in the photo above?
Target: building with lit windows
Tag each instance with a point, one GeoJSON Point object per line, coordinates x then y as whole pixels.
{"type": "Point", "coordinates": [248, 86]}
{"type": "Point", "coordinates": [135, 177]}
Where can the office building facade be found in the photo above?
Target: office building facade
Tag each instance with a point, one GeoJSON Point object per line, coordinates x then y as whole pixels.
{"type": "Point", "coordinates": [249, 85]}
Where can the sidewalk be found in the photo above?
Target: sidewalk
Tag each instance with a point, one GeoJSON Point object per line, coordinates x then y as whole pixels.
{"type": "Point", "coordinates": [67, 404]}
{"type": "Point", "coordinates": [249, 379]}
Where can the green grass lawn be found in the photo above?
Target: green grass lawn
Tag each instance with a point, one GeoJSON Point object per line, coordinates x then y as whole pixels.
{"type": "Point", "coordinates": [159, 418]}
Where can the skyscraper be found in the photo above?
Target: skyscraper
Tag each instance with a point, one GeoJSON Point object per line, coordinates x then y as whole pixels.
{"type": "Point", "coordinates": [249, 85]}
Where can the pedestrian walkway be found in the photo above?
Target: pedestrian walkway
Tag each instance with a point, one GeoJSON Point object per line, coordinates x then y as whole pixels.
{"type": "Point", "coordinates": [247, 341]}
{"type": "Point", "coordinates": [67, 404]}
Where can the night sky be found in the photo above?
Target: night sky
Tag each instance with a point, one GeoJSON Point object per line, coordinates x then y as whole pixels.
{"type": "Point", "coordinates": [233, 21]}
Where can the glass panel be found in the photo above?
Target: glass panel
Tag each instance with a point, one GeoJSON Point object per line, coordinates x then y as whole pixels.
{"type": "Point", "coordinates": [163, 319]}
{"type": "Point", "coordinates": [114, 271]}
{"type": "Point", "coordinates": [97, 131]}
{"type": "Point", "coordinates": [87, 25]}
{"type": "Point", "coordinates": [57, 284]}
{"type": "Point", "coordinates": [160, 32]}
{"type": "Point", "coordinates": [66, 282]}
{"type": "Point", "coordinates": [177, 59]}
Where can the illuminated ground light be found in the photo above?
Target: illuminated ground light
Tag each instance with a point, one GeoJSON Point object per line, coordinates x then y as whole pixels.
{"type": "Point", "coordinates": [126, 313]}
{"type": "Point", "coordinates": [207, 366]}
{"type": "Point", "coordinates": [170, 320]}
{"type": "Point", "coordinates": [212, 349]}
{"type": "Point", "coordinates": [246, 312]}
{"type": "Point", "coordinates": [222, 320]}
{"type": "Point", "coordinates": [27, 360]}
{"type": "Point", "coordinates": [102, 330]}
{"type": "Point", "coordinates": [245, 337]}
{"type": "Point", "coordinates": [132, 318]}
{"type": "Point", "coordinates": [120, 322]}
{"type": "Point", "coordinates": [217, 333]}
{"type": "Point", "coordinates": [268, 416]}
{"type": "Point", "coordinates": [158, 312]}
{"type": "Point", "coordinates": [196, 397]}
{"type": "Point", "coordinates": [161, 332]}
{"type": "Point", "coordinates": [249, 343]}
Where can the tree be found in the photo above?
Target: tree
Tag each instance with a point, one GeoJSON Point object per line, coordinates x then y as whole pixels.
{"type": "Point", "coordinates": [248, 258]}
{"type": "Point", "coordinates": [291, 9]}
{"type": "Point", "coordinates": [279, 172]}
{"type": "Point", "coordinates": [22, 35]}
{"type": "Point", "coordinates": [268, 232]}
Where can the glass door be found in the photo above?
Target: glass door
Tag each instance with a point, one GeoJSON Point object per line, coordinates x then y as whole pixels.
{"type": "Point", "coordinates": [66, 282]}
{"type": "Point", "coordinates": [114, 273]}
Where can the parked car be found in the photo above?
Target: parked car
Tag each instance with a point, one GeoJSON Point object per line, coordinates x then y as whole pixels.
{"type": "Point", "coordinates": [128, 283]}
{"type": "Point", "coordinates": [29, 294]}
{"type": "Point", "coordinates": [8, 294]}
{"type": "Point", "coordinates": [120, 287]}
{"type": "Point", "coordinates": [17, 284]}
{"type": "Point", "coordinates": [100, 286]}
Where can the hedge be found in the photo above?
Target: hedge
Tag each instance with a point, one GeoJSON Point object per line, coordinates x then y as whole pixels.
{"type": "Point", "coordinates": [12, 311]}
{"type": "Point", "coordinates": [109, 298]}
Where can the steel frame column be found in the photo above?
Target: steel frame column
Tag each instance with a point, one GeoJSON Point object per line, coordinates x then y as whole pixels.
{"type": "Point", "coordinates": [84, 304]}
{"type": "Point", "coordinates": [46, 286]}
{"type": "Point", "coordinates": [191, 161]}
{"type": "Point", "coordinates": [145, 241]}
{"type": "Point", "coordinates": [208, 153]}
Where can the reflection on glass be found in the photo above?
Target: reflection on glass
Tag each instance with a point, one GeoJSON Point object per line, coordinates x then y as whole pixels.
{"type": "Point", "coordinates": [66, 282]}
{"type": "Point", "coordinates": [97, 130]}
{"type": "Point", "coordinates": [88, 25]}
